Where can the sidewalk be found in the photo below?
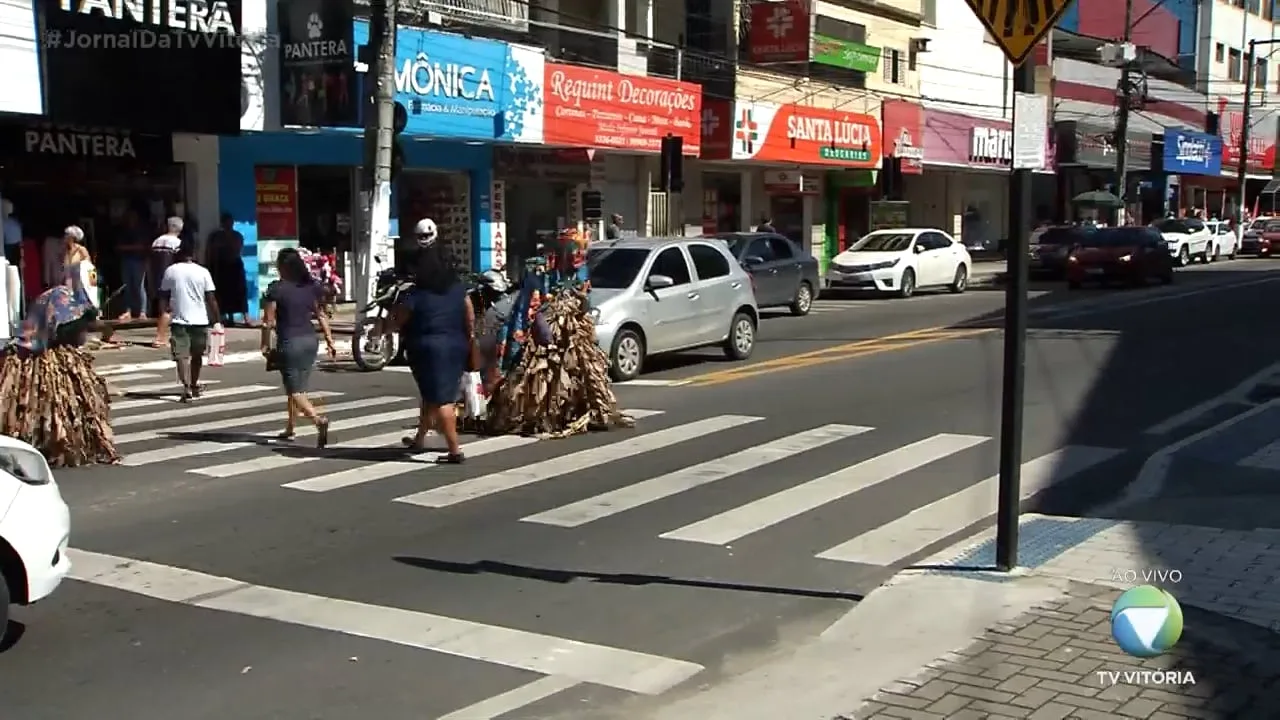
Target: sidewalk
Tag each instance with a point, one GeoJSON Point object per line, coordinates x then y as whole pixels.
{"type": "Point", "coordinates": [950, 641]}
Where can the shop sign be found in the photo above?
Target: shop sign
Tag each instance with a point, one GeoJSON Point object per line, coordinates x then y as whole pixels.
{"type": "Point", "coordinates": [1191, 153]}
{"type": "Point", "coordinates": [196, 16]}
{"type": "Point", "coordinates": [779, 31]}
{"type": "Point", "coordinates": [498, 224]}
{"type": "Point", "coordinates": [467, 88]}
{"type": "Point", "coordinates": [1262, 132]}
{"type": "Point", "coordinates": [904, 134]}
{"type": "Point", "coordinates": [318, 82]}
{"type": "Point", "coordinates": [717, 128]}
{"type": "Point", "coordinates": [792, 182]}
{"type": "Point", "coordinates": [845, 54]}
{"type": "Point", "coordinates": [603, 109]}
{"type": "Point", "coordinates": [804, 135]}
{"type": "Point", "coordinates": [277, 189]}
{"type": "Point", "coordinates": [991, 145]}
{"type": "Point", "coordinates": [70, 142]}
{"type": "Point", "coordinates": [1096, 147]}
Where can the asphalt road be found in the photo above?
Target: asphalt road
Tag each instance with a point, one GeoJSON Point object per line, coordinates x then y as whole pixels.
{"type": "Point", "coordinates": [221, 574]}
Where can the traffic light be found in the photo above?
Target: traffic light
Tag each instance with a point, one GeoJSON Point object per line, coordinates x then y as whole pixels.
{"type": "Point", "coordinates": [671, 177]}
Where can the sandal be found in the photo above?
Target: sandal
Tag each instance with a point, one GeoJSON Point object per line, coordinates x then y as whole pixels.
{"type": "Point", "coordinates": [451, 459]}
{"type": "Point", "coordinates": [286, 435]}
{"type": "Point", "coordinates": [322, 432]}
{"type": "Point", "coordinates": [413, 445]}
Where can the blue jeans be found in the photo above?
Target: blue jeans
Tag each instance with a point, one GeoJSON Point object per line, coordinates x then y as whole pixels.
{"type": "Point", "coordinates": [134, 273]}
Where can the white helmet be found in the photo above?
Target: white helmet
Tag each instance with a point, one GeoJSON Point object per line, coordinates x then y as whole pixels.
{"type": "Point", "coordinates": [495, 280]}
{"type": "Point", "coordinates": [425, 232]}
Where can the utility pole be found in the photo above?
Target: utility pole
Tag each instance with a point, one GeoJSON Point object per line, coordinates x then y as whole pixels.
{"type": "Point", "coordinates": [1015, 344]}
{"type": "Point", "coordinates": [1121, 140]}
{"type": "Point", "coordinates": [1242, 166]}
{"type": "Point", "coordinates": [378, 132]}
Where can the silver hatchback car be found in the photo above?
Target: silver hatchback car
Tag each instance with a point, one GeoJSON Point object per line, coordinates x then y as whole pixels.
{"type": "Point", "coordinates": [659, 295]}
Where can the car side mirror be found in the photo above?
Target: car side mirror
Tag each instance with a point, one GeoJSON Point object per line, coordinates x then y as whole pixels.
{"type": "Point", "coordinates": [752, 260]}
{"type": "Point", "coordinates": [919, 249]}
{"type": "Point", "coordinates": [658, 282]}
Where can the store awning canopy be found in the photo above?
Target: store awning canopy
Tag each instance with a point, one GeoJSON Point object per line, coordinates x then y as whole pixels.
{"type": "Point", "coordinates": [1272, 187]}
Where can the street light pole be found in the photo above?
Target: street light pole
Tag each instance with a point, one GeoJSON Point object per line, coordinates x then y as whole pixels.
{"type": "Point", "coordinates": [1121, 140]}
{"type": "Point", "coordinates": [1242, 165]}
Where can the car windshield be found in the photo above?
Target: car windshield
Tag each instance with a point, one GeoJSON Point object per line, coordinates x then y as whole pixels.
{"type": "Point", "coordinates": [1062, 236]}
{"type": "Point", "coordinates": [1172, 225]}
{"type": "Point", "coordinates": [24, 465]}
{"type": "Point", "coordinates": [1116, 237]}
{"type": "Point", "coordinates": [614, 268]}
{"type": "Point", "coordinates": [884, 242]}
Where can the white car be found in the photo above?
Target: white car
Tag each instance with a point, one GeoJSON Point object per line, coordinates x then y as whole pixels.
{"type": "Point", "coordinates": [1226, 240]}
{"type": "Point", "coordinates": [902, 261]}
{"type": "Point", "coordinates": [1187, 239]}
{"type": "Point", "coordinates": [35, 526]}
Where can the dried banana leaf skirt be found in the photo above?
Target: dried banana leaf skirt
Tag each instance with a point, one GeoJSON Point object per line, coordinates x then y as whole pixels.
{"type": "Point", "coordinates": [52, 396]}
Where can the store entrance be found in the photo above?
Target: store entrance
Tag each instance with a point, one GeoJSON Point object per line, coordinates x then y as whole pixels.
{"type": "Point", "coordinates": [854, 219]}
{"type": "Point", "coordinates": [324, 208]}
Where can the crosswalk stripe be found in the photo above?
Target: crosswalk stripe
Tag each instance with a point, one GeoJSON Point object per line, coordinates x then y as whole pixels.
{"type": "Point", "coordinates": [186, 450]}
{"type": "Point", "coordinates": [512, 700]}
{"type": "Point", "coordinates": [132, 377]}
{"type": "Point", "coordinates": [207, 395]}
{"type": "Point", "coordinates": [259, 419]}
{"type": "Point", "coordinates": [768, 511]}
{"type": "Point", "coordinates": [913, 532]}
{"type": "Point", "coordinates": [204, 409]}
{"type": "Point", "coordinates": [474, 488]}
{"type": "Point", "coordinates": [277, 461]}
{"type": "Point", "coordinates": [664, 486]}
{"type": "Point", "coordinates": [393, 468]}
{"type": "Point", "coordinates": [171, 386]}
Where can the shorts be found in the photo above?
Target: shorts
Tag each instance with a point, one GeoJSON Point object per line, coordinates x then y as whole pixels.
{"type": "Point", "coordinates": [187, 341]}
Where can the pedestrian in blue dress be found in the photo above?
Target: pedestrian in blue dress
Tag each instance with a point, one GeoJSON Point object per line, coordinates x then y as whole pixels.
{"type": "Point", "coordinates": [437, 324]}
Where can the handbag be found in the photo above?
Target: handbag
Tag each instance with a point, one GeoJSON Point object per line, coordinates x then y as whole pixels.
{"type": "Point", "coordinates": [273, 360]}
{"type": "Point", "coordinates": [475, 361]}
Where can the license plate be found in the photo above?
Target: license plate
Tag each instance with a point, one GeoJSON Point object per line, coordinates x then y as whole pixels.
{"type": "Point", "coordinates": [1094, 271]}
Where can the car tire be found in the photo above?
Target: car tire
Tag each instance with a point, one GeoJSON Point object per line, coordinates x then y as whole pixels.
{"type": "Point", "coordinates": [907, 287]}
{"type": "Point", "coordinates": [803, 301]}
{"type": "Point", "coordinates": [626, 356]}
{"type": "Point", "coordinates": [960, 282]}
{"type": "Point", "coordinates": [5, 598]}
{"type": "Point", "coordinates": [1184, 257]}
{"type": "Point", "coordinates": [742, 337]}
{"type": "Point", "coordinates": [1235, 252]}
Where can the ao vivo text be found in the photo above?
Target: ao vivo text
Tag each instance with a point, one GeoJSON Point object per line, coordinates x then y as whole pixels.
{"type": "Point", "coordinates": [1148, 576]}
{"type": "Point", "coordinates": [1179, 678]}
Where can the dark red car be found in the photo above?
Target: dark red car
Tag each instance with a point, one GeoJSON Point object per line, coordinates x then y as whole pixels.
{"type": "Point", "coordinates": [1130, 255]}
{"type": "Point", "coordinates": [1262, 238]}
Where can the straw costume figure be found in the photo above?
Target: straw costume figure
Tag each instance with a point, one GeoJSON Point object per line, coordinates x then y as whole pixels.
{"type": "Point", "coordinates": [555, 378]}
{"type": "Point", "coordinates": [53, 398]}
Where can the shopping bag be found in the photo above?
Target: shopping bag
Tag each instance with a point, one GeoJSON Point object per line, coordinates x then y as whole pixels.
{"type": "Point", "coordinates": [473, 397]}
{"type": "Point", "coordinates": [217, 345]}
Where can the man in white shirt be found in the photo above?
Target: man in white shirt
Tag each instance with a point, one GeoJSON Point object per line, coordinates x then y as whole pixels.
{"type": "Point", "coordinates": [187, 298]}
{"type": "Point", "coordinates": [163, 251]}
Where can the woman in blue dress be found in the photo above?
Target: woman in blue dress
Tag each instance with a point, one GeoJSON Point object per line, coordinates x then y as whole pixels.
{"type": "Point", "coordinates": [437, 323]}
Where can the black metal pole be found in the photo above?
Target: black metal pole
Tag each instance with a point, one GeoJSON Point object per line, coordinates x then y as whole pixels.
{"type": "Point", "coordinates": [1121, 140]}
{"type": "Point", "coordinates": [1015, 346]}
{"type": "Point", "coordinates": [1242, 167]}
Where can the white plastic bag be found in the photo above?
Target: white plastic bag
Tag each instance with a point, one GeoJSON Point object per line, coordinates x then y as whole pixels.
{"type": "Point", "coordinates": [217, 345]}
{"type": "Point", "coordinates": [473, 398]}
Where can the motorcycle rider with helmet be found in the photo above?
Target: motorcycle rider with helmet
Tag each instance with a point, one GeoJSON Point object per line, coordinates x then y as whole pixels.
{"type": "Point", "coordinates": [425, 234]}
{"type": "Point", "coordinates": [496, 301]}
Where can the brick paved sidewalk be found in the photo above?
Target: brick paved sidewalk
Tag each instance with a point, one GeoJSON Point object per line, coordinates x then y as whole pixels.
{"type": "Point", "coordinates": [1044, 666]}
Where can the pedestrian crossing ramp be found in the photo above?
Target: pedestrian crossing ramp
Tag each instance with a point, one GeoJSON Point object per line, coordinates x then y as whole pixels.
{"type": "Point", "coordinates": [717, 481]}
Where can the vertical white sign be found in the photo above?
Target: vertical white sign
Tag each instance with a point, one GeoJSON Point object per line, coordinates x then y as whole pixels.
{"type": "Point", "coordinates": [20, 59]}
{"type": "Point", "coordinates": [1030, 131]}
{"type": "Point", "coordinates": [498, 224]}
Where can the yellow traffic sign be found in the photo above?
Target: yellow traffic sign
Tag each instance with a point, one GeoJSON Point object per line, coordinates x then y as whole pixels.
{"type": "Point", "coordinates": [1017, 25]}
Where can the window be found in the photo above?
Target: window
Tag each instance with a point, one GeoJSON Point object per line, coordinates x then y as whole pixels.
{"type": "Point", "coordinates": [894, 66]}
{"type": "Point", "coordinates": [615, 269]}
{"type": "Point", "coordinates": [24, 465]}
{"type": "Point", "coordinates": [1219, 53]}
{"type": "Point", "coordinates": [1260, 75]}
{"type": "Point", "coordinates": [1255, 6]}
{"type": "Point", "coordinates": [708, 261]}
{"type": "Point", "coordinates": [759, 247]}
{"type": "Point", "coordinates": [929, 9]}
{"type": "Point", "coordinates": [1233, 65]}
{"type": "Point", "coordinates": [671, 263]}
{"type": "Point", "coordinates": [781, 248]}
{"type": "Point", "coordinates": [933, 241]}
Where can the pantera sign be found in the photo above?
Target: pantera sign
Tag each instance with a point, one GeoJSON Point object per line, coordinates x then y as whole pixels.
{"type": "Point", "coordinates": [190, 15]}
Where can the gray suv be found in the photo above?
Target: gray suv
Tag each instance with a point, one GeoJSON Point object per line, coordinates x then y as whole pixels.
{"type": "Point", "coordinates": [659, 295]}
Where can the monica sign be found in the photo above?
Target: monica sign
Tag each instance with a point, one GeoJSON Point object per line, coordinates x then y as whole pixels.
{"type": "Point", "coordinates": [1187, 152]}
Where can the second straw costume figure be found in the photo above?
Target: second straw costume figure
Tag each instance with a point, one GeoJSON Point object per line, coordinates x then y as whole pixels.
{"type": "Point", "coordinates": [555, 378]}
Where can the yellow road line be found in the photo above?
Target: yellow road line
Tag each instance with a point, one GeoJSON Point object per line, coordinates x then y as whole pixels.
{"type": "Point", "coordinates": [837, 353]}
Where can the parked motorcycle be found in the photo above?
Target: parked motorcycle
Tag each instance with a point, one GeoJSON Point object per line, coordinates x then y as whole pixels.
{"type": "Point", "coordinates": [373, 346]}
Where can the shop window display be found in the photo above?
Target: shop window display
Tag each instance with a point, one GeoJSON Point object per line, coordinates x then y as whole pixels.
{"type": "Point", "coordinates": [446, 199]}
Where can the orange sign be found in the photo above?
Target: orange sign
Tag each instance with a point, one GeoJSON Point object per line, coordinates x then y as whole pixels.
{"type": "Point", "coordinates": [596, 108]}
{"type": "Point", "coordinates": [804, 135]}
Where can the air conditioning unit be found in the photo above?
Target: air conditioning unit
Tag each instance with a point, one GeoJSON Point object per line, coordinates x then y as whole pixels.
{"type": "Point", "coordinates": [920, 45]}
{"type": "Point", "coordinates": [1117, 54]}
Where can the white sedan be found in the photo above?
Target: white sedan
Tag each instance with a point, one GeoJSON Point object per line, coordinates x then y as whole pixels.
{"type": "Point", "coordinates": [1186, 238]}
{"type": "Point", "coordinates": [35, 526]}
{"type": "Point", "coordinates": [1226, 240]}
{"type": "Point", "coordinates": [902, 261]}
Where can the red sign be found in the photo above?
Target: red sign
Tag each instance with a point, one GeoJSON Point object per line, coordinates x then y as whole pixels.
{"type": "Point", "coordinates": [1262, 152]}
{"type": "Point", "coordinates": [904, 134]}
{"type": "Point", "coordinates": [799, 135]}
{"type": "Point", "coordinates": [596, 108]}
{"type": "Point", "coordinates": [779, 31]}
{"type": "Point", "coordinates": [717, 129]}
{"type": "Point", "coordinates": [277, 202]}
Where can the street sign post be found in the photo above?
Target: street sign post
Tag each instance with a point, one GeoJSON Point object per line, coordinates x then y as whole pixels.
{"type": "Point", "coordinates": [1016, 26]}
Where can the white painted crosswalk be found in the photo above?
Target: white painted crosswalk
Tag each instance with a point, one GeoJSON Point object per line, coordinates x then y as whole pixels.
{"type": "Point", "coordinates": [721, 465]}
